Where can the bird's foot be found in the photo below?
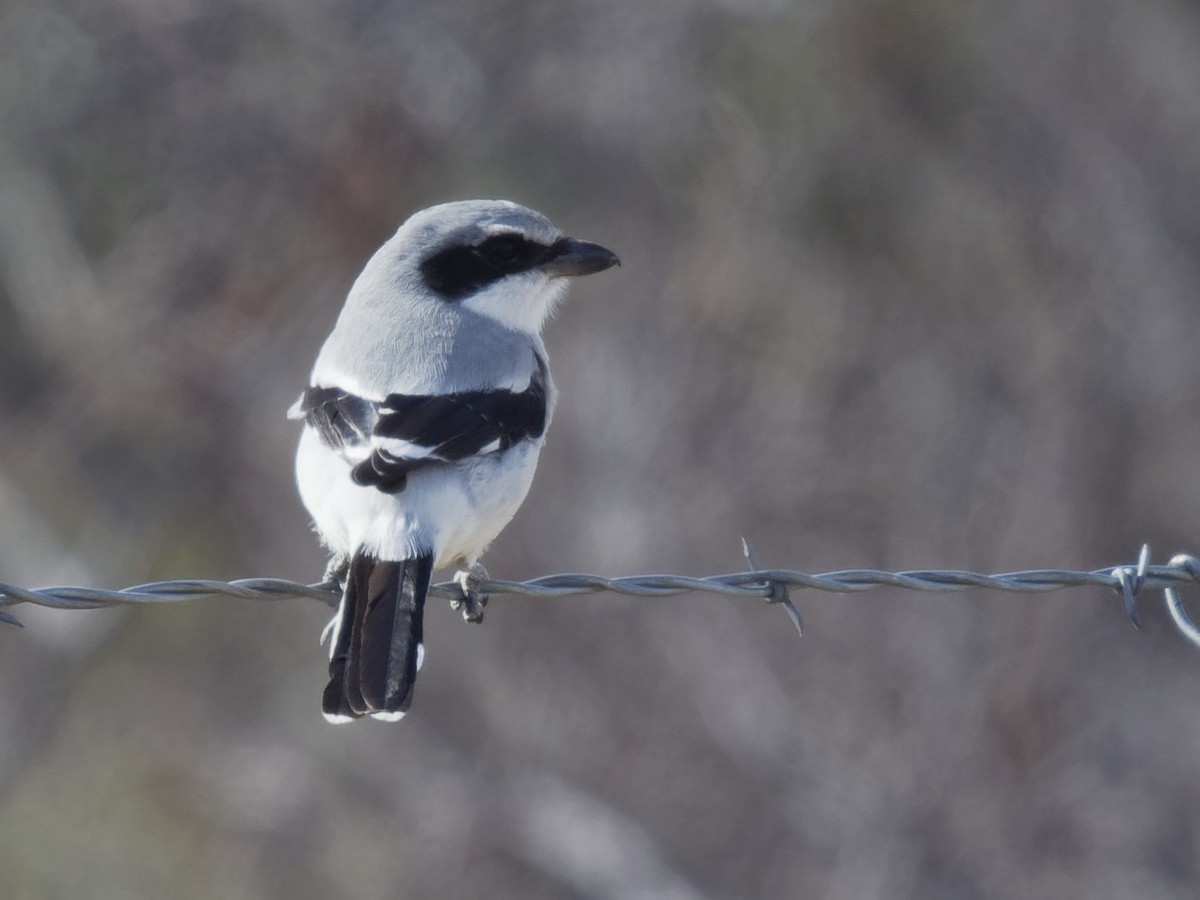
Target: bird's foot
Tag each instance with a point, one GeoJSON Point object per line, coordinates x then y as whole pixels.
{"type": "Point", "coordinates": [336, 571]}
{"type": "Point", "coordinates": [473, 599]}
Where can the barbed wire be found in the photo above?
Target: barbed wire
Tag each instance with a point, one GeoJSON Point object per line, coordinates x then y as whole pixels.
{"type": "Point", "coordinates": [772, 585]}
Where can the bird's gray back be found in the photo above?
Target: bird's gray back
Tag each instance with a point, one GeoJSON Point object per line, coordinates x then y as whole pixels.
{"type": "Point", "coordinates": [396, 336]}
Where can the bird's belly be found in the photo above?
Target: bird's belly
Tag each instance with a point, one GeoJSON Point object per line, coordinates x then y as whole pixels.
{"type": "Point", "coordinates": [452, 510]}
{"type": "Point", "coordinates": [482, 498]}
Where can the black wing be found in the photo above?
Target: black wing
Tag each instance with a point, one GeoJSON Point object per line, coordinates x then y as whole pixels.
{"type": "Point", "coordinates": [446, 428]}
{"type": "Point", "coordinates": [342, 420]}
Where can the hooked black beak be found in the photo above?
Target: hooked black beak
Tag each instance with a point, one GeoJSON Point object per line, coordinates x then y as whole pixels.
{"type": "Point", "coordinates": [571, 257]}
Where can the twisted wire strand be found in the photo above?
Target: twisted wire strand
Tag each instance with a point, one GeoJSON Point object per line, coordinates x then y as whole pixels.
{"type": "Point", "coordinates": [772, 585]}
{"type": "Point", "coordinates": [753, 583]}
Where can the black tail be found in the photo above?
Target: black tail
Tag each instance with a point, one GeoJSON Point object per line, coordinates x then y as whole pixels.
{"type": "Point", "coordinates": [377, 643]}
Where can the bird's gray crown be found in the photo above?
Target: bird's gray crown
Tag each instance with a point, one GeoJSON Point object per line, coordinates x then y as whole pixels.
{"type": "Point", "coordinates": [469, 222]}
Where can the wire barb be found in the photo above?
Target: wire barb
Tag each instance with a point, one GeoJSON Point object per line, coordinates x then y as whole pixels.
{"type": "Point", "coordinates": [1131, 580]}
{"type": "Point", "coordinates": [772, 585]}
{"type": "Point", "coordinates": [779, 592]}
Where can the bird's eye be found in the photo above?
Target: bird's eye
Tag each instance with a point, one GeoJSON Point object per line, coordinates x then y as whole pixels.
{"type": "Point", "coordinates": [502, 249]}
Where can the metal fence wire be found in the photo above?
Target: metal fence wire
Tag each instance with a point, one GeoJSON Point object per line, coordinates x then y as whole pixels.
{"type": "Point", "coordinates": [775, 586]}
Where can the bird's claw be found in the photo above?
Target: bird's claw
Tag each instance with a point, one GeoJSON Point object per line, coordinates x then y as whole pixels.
{"type": "Point", "coordinates": [337, 570]}
{"type": "Point", "coordinates": [472, 599]}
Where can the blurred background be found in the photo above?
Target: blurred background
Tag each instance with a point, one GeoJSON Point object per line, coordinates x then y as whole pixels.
{"type": "Point", "coordinates": [905, 285]}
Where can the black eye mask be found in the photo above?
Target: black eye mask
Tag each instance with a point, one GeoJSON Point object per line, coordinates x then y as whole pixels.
{"type": "Point", "coordinates": [458, 272]}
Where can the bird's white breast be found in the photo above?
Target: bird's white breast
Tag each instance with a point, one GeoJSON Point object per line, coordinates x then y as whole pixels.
{"type": "Point", "coordinates": [454, 510]}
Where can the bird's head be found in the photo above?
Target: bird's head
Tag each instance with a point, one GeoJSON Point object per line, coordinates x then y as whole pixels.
{"type": "Point", "coordinates": [495, 258]}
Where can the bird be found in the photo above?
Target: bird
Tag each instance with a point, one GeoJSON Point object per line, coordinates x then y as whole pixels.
{"type": "Point", "coordinates": [425, 414]}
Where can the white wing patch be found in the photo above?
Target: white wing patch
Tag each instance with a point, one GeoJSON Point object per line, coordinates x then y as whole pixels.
{"type": "Point", "coordinates": [400, 448]}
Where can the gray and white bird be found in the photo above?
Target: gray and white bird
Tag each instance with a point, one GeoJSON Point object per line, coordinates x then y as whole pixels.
{"type": "Point", "coordinates": [427, 409]}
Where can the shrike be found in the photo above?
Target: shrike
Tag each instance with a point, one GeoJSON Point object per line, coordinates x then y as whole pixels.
{"type": "Point", "coordinates": [428, 408]}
